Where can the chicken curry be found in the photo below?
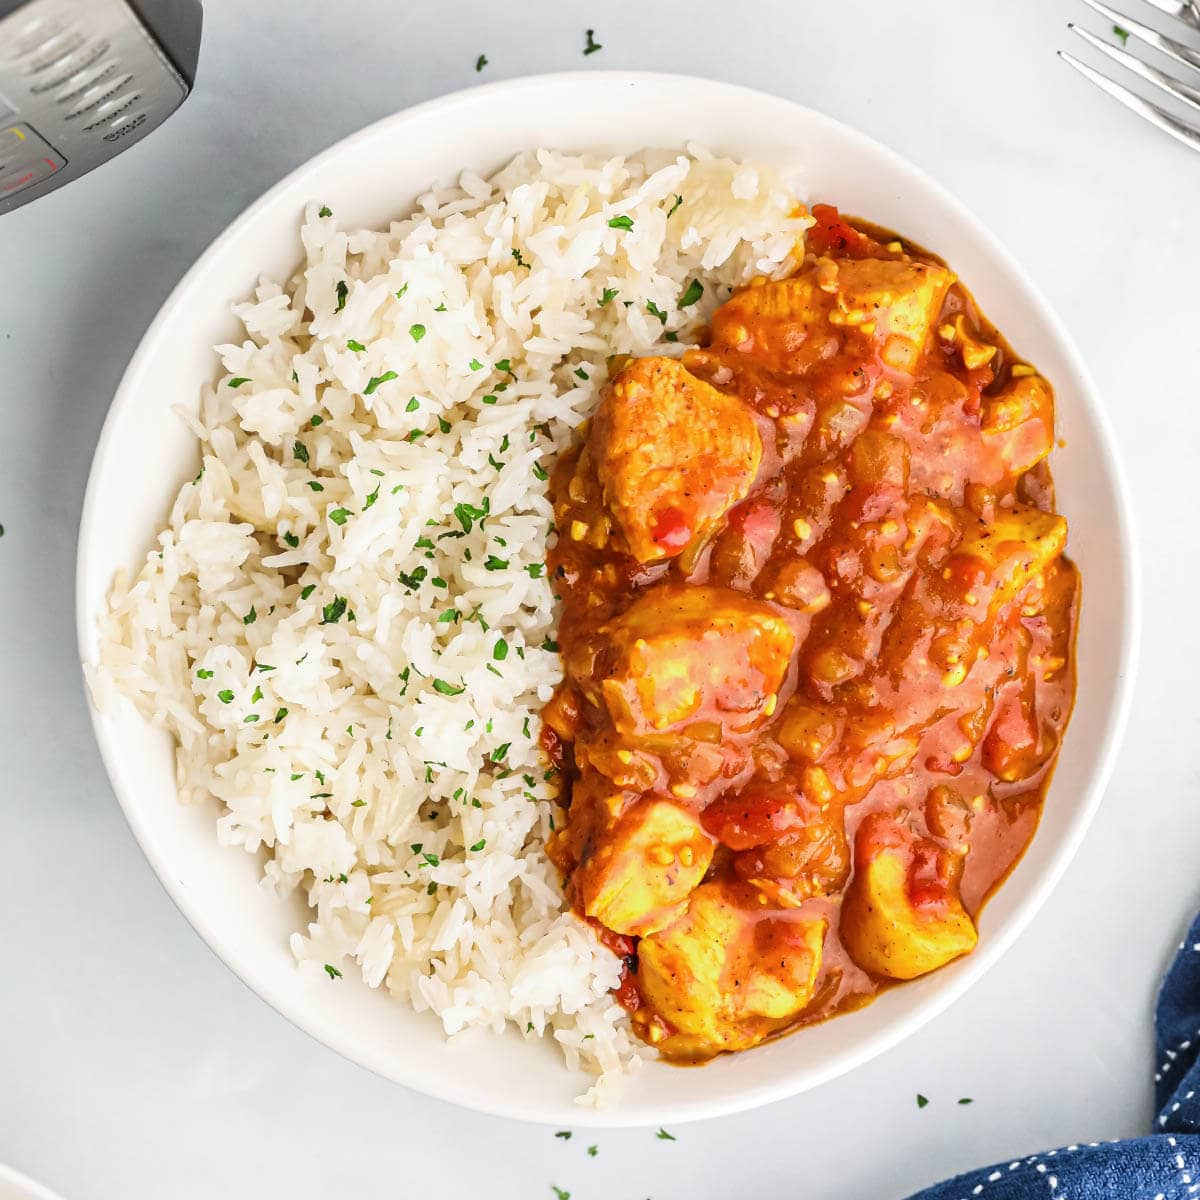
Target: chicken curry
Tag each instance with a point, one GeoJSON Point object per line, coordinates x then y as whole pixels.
{"type": "Point", "coordinates": [817, 640]}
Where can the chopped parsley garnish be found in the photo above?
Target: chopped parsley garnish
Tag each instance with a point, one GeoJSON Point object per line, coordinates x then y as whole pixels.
{"type": "Point", "coordinates": [922, 1100]}
{"type": "Point", "coordinates": [431, 890]}
{"type": "Point", "coordinates": [238, 380]}
{"type": "Point", "coordinates": [412, 405]}
{"type": "Point", "coordinates": [300, 452]}
{"type": "Point", "coordinates": [580, 373]}
{"type": "Point", "coordinates": [280, 714]}
{"type": "Point", "coordinates": [677, 203]}
{"type": "Point", "coordinates": [400, 293]}
{"type": "Point", "coordinates": [371, 498]}
{"type": "Point", "coordinates": [263, 667]}
{"type": "Point", "coordinates": [258, 694]}
{"type": "Point", "coordinates": [655, 311]}
{"type": "Point", "coordinates": [505, 365]}
{"type": "Point", "coordinates": [481, 62]}
{"type": "Point", "coordinates": [325, 211]}
{"type": "Point", "coordinates": [225, 695]}
{"type": "Point", "coordinates": [610, 294]}
{"type": "Point", "coordinates": [342, 292]}
{"type": "Point", "coordinates": [621, 222]}
{"type": "Point", "coordinates": [591, 45]}
{"type": "Point", "coordinates": [593, 1151]}
{"type": "Point", "coordinates": [565, 1134]}
{"type": "Point", "coordinates": [670, 336]}
{"type": "Point", "coordinates": [550, 646]}
{"type": "Point", "coordinates": [500, 650]}
{"type": "Point", "coordinates": [443, 424]}
{"type": "Point", "coordinates": [534, 570]}
{"type": "Point", "coordinates": [413, 581]}
{"type": "Point", "coordinates": [448, 689]}
{"type": "Point", "coordinates": [431, 859]}
{"type": "Point", "coordinates": [664, 1136]}
{"type": "Point", "coordinates": [307, 590]}
{"type": "Point", "coordinates": [489, 399]}
{"type": "Point", "coordinates": [203, 674]}
{"type": "Point", "coordinates": [561, 1193]}
{"type": "Point", "coordinates": [966, 1100]}
{"type": "Point", "coordinates": [1123, 34]}
{"type": "Point", "coordinates": [291, 539]}
{"type": "Point", "coordinates": [498, 755]}
{"type": "Point", "coordinates": [492, 563]}
{"type": "Point", "coordinates": [338, 515]}
{"type": "Point", "coordinates": [332, 612]}
{"type": "Point", "coordinates": [479, 845]}
{"type": "Point", "coordinates": [539, 472]}
{"type": "Point", "coordinates": [357, 347]}
{"type": "Point", "coordinates": [475, 365]}
{"type": "Point", "coordinates": [250, 617]}
{"type": "Point", "coordinates": [316, 419]}
{"type": "Point", "coordinates": [519, 260]}
{"type": "Point", "coordinates": [356, 803]}
{"type": "Point", "coordinates": [416, 332]}
{"type": "Point", "coordinates": [250, 719]}
{"type": "Point", "coordinates": [449, 617]}
{"type": "Point", "coordinates": [332, 972]}
{"type": "Point", "coordinates": [695, 290]}
{"type": "Point", "coordinates": [377, 380]}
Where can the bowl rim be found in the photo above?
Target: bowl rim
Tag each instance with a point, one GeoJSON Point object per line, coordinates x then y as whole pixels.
{"type": "Point", "coordinates": [27, 1188]}
{"type": "Point", "coordinates": [1036, 890]}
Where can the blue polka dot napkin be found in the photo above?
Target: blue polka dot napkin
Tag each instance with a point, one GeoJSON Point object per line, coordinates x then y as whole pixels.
{"type": "Point", "coordinates": [1163, 1166]}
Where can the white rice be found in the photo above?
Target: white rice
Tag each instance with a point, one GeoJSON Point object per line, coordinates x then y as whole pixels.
{"type": "Point", "coordinates": [379, 737]}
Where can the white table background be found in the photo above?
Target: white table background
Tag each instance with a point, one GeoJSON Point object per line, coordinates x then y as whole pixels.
{"type": "Point", "coordinates": [134, 1065]}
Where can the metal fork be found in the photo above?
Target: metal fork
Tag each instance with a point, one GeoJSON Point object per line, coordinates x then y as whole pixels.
{"type": "Point", "coordinates": [1186, 13]}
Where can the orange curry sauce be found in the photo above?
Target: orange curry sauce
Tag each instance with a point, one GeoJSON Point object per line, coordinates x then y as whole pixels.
{"type": "Point", "coordinates": [817, 633]}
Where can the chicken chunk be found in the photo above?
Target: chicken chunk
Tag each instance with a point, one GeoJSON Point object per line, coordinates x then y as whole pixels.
{"type": "Point", "coordinates": [693, 653]}
{"type": "Point", "coordinates": [1014, 547]}
{"type": "Point", "coordinates": [1018, 422]}
{"type": "Point", "coordinates": [724, 976]}
{"type": "Point", "coordinates": [899, 301]}
{"type": "Point", "coordinates": [672, 454]}
{"type": "Point", "coordinates": [642, 870]}
{"type": "Point", "coordinates": [793, 325]}
{"type": "Point", "coordinates": [902, 915]}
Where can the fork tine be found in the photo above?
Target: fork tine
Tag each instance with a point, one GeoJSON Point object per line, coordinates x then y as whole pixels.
{"type": "Point", "coordinates": [1151, 112]}
{"type": "Point", "coordinates": [1184, 10]}
{"type": "Point", "coordinates": [1185, 56]}
{"type": "Point", "coordinates": [1152, 75]}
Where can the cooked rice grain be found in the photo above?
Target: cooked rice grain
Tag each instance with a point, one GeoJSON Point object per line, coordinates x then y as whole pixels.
{"type": "Point", "coordinates": [346, 625]}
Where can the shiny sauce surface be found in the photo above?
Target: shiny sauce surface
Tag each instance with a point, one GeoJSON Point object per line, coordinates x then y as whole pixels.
{"type": "Point", "coordinates": [868, 652]}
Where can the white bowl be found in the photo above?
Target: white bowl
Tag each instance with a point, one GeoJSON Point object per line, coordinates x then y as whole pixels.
{"type": "Point", "coordinates": [145, 453]}
{"type": "Point", "coordinates": [15, 1186]}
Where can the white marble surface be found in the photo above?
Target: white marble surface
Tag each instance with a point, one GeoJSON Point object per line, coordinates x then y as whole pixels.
{"type": "Point", "coordinates": [134, 1065]}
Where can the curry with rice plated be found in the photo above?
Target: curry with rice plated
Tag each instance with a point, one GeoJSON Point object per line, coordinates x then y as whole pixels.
{"type": "Point", "coordinates": [817, 636]}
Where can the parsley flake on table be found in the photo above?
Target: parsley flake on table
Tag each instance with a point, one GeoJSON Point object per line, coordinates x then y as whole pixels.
{"type": "Point", "coordinates": [565, 1134]}
{"type": "Point", "coordinates": [593, 1151]}
{"type": "Point", "coordinates": [591, 45]}
{"type": "Point", "coordinates": [966, 1100]}
{"type": "Point", "coordinates": [481, 62]}
{"type": "Point", "coordinates": [1123, 34]}
{"type": "Point", "coordinates": [922, 1100]}
{"type": "Point", "coordinates": [560, 1193]}
{"type": "Point", "coordinates": [664, 1136]}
